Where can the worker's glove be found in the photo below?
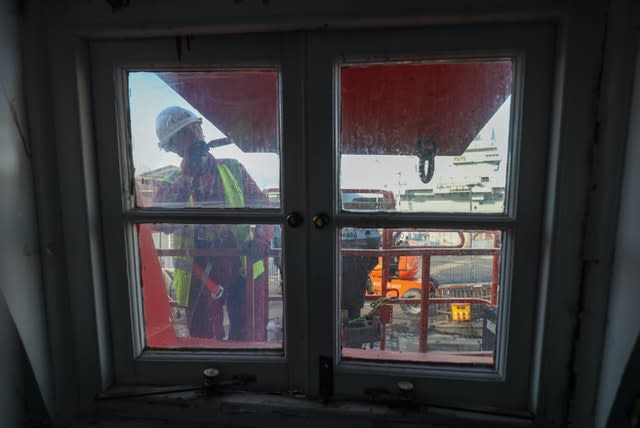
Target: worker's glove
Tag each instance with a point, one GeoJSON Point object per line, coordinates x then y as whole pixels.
{"type": "Point", "coordinates": [256, 248]}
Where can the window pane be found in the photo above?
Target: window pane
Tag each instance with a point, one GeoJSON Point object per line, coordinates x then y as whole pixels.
{"type": "Point", "coordinates": [201, 290]}
{"type": "Point", "coordinates": [434, 134]}
{"type": "Point", "coordinates": [383, 295]}
{"type": "Point", "coordinates": [197, 137]}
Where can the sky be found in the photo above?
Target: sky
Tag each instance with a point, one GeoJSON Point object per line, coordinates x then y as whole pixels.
{"type": "Point", "coordinates": [148, 95]}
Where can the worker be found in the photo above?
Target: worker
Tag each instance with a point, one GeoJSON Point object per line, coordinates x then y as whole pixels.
{"type": "Point", "coordinates": [356, 269]}
{"type": "Point", "coordinates": [204, 282]}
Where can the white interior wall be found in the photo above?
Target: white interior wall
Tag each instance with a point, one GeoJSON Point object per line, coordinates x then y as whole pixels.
{"type": "Point", "coordinates": [623, 328]}
{"type": "Point", "coordinates": [23, 315]}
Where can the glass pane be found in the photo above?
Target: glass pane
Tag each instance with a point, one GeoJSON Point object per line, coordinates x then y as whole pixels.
{"type": "Point", "coordinates": [419, 295]}
{"type": "Point", "coordinates": [436, 135]}
{"type": "Point", "coordinates": [211, 286]}
{"type": "Point", "coordinates": [198, 137]}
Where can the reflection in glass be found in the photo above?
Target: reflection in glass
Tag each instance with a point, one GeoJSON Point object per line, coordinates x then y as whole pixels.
{"type": "Point", "coordinates": [205, 139]}
{"type": "Point", "coordinates": [419, 295]}
{"type": "Point", "coordinates": [436, 135]}
{"type": "Point", "coordinates": [211, 286]}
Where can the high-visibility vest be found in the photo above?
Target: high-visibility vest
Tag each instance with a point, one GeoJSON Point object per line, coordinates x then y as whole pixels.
{"type": "Point", "coordinates": [234, 198]}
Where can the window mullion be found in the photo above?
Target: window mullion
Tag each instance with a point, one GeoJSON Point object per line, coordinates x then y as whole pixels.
{"type": "Point", "coordinates": [293, 198]}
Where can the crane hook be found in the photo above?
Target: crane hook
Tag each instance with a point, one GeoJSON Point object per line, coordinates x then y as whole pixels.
{"type": "Point", "coordinates": [426, 152]}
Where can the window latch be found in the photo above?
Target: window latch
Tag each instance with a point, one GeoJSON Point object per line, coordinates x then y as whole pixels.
{"type": "Point", "coordinates": [402, 396]}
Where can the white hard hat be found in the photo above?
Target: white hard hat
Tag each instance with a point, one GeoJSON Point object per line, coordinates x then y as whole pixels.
{"type": "Point", "coordinates": [170, 121]}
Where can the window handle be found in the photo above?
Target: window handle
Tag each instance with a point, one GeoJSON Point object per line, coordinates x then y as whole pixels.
{"type": "Point", "coordinates": [320, 220]}
{"type": "Point", "coordinates": [294, 219]}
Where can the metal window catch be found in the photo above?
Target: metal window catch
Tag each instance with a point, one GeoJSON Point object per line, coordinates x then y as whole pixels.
{"type": "Point", "coordinates": [212, 382]}
{"type": "Point", "coordinates": [403, 396]}
{"type": "Point", "coordinates": [210, 374]}
{"type": "Point", "coordinates": [426, 152]}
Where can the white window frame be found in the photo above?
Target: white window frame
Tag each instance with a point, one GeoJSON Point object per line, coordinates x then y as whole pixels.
{"type": "Point", "coordinates": [506, 389]}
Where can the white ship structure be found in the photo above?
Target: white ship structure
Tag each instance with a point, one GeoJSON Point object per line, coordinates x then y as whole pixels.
{"type": "Point", "coordinates": [471, 182]}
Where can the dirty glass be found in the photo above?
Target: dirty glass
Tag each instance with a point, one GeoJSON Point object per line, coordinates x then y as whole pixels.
{"type": "Point", "coordinates": [198, 136]}
{"type": "Point", "coordinates": [425, 137]}
{"type": "Point", "coordinates": [213, 286]}
{"type": "Point", "coordinates": [419, 295]}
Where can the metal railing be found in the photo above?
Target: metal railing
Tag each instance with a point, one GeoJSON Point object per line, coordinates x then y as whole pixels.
{"type": "Point", "coordinates": [455, 295]}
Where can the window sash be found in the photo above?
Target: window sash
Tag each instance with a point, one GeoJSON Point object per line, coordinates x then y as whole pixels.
{"type": "Point", "coordinates": [508, 385]}
{"type": "Point", "coordinates": [111, 60]}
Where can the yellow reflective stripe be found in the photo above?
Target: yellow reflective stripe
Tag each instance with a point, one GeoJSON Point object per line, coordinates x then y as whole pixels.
{"type": "Point", "coordinates": [182, 284]}
{"type": "Point", "coordinates": [232, 191]}
{"type": "Point", "coordinates": [258, 268]}
{"type": "Point", "coordinates": [234, 197]}
{"type": "Point", "coordinates": [183, 265]}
